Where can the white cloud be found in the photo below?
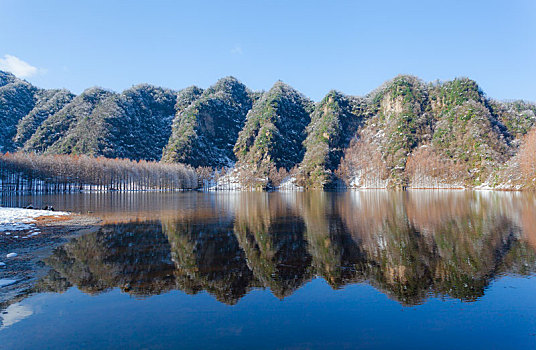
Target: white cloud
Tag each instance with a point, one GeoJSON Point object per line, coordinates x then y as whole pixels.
{"type": "Point", "coordinates": [17, 66]}
{"type": "Point", "coordinates": [13, 314]}
{"type": "Point", "coordinates": [237, 50]}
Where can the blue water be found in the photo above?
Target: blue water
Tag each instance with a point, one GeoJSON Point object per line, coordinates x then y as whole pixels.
{"type": "Point", "coordinates": [315, 317]}
{"type": "Point", "coordinates": [441, 271]}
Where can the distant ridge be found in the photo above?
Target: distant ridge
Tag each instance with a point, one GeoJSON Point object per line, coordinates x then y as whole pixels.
{"type": "Point", "coordinates": [404, 133]}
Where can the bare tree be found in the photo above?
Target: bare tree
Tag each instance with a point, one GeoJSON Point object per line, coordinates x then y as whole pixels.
{"type": "Point", "coordinates": [67, 173]}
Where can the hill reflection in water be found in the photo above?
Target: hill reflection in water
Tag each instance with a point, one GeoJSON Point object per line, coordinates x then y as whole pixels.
{"type": "Point", "coordinates": [409, 245]}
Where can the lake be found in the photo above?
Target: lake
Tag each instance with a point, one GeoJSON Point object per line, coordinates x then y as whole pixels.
{"type": "Point", "coordinates": [297, 270]}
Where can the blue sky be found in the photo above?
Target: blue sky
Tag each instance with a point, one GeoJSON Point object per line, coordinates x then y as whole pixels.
{"type": "Point", "coordinates": [315, 46]}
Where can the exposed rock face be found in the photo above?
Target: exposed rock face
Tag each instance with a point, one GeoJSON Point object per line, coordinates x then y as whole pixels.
{"type": "Point", "coordinates": [467, 131]}
{"type": "Point", "coordinates": [434, 135]}
{"type": "Point", "coordinates": [403, 121]}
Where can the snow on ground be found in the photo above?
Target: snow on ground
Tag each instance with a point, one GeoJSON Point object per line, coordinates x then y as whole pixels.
{"type": "Point", "coordinates": [509, 186]}
{"type": "Point", "coordinates": [289, 184]}
{"type": "Point", "coordinates": [484, 187]}
{"type": "Point", "coordinates": [364, 180]}
{"type": "Point", "coordinates": [17, 219]}
{"type": "Point", "coordinates": [231, 182]}
{"type": "Point", "coordinates": [4, 282]}
{"type": "Point", "coordinates": [227, 182]}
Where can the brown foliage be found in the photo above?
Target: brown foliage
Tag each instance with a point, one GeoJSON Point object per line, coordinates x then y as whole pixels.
{"type": "Point", "coordinates": [30, 172]}
{"type": "Point", "coordinates": [364, 158]}
{"type": "Point", "coordinates": [527, 159]}
{"type": "Point", "coordinates": [276, 176]}
{"type": "Point", "coordinates": [425, 168]}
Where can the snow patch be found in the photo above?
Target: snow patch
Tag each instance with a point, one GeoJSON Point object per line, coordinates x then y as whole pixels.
{"type": "Point", "coordinates": [227, 182]}
{"type": "Point", "coordinates": [289, 184]}
{"type": "Point", "coordinates": [4, 282]}
{"type": "Point", "coordinates": [368, 180]}
{"type": "Point", "coordinates": [484, 187]}
{"type": "Point", "coordinates": [18, 219]}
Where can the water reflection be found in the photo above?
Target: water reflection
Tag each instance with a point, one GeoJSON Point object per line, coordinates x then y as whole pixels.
{"type": "Point", "coordinates": [409, 245]}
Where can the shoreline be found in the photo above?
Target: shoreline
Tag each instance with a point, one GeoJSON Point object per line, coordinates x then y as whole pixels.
{"type": "Point", "coordinates": [299, 189]}
{"type": "Point", "coordinates": [22, 251]}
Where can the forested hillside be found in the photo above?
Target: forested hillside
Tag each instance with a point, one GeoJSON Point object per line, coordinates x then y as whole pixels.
{"type": "Point", "coordinates": [273, 135]}
{"type": "Point", "coordinates": [17, 98]}
{"type": "Point", "coordinates": [406, 133]}
{"type": "Point", "coordinates": [135, 124]}
{"type": "Point", "coordinates": [447, 135]}
{"type": "Point", "coordinates": [48, 103]}
{"type": "Point", "coordinates": [205, 132]}
{"type": "Point", "coordinates": [334, 123]}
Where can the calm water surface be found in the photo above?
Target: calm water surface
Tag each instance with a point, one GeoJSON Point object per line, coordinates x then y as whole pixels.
{"type": "Point", "coordinates": [368, 269]}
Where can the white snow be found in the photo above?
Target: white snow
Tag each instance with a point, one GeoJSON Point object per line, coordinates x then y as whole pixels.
{"type": "Point", "coordinates": [227, 182]}
{"type": "Point", "coordinates": [4, 282]}
{"type": "Point", "coordinates": [368, 180]}
{"type": "Point", "coordinates": [484, 187]}
{"type": "Point", "coordinates": [17, 219]}
{"type": "Point", "coordinates": [289, 184]}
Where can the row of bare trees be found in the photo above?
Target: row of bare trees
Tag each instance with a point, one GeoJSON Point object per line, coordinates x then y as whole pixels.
{"type": "Point", "coordinates": [28, 172]}
{"type": "Point", "coordinates": [426, 169]}
{"type": "Point", "coordinates": [363, 166]}
{"type": "Point", "coordinates": [527, 159]}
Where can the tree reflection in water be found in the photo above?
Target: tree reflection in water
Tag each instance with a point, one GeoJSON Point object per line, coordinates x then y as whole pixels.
{"type": "Point", "coordinates": [409, 245]}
